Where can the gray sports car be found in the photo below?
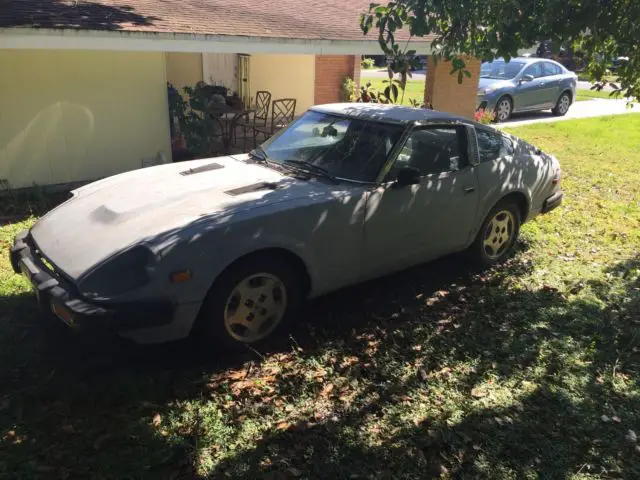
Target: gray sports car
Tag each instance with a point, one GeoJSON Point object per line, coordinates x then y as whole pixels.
{"type": "Point", "coordinates": [228, 247]}
{"type": "Point", "coordinates": [525, 84]}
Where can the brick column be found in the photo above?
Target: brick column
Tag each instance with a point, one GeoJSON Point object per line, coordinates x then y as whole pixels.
{"type": "Point", "coordinates": [330, 71]}
{"type": "Point", "coordinates": [443, 91]}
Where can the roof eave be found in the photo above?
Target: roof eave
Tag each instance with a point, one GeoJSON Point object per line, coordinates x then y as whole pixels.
{"type": "Point", "coordinates": [72, 39]}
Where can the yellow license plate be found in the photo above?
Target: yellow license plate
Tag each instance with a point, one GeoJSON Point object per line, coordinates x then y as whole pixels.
{"type": "Point", "coordinates": [62, 313]}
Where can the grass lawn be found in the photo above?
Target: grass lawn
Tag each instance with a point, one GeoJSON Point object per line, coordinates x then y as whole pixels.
{"type": "Point", "coordinates": [415, 88]}
{"type": "Point", "coordinates": [583, 94]}
{"type": "Point", "coordinates": [527, 371]}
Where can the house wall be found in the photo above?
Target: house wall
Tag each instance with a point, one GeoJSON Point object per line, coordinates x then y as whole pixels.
{"type": "Point", "coordinates": [443, 91]}
{"type": "Point", "coordinates": [285, 76]}
{"type": "Point", "coordinates": [79, 115]}
{"type": "Point", "coordinates": [330, 72]}
{"type": "Point", "coordinates": [184, 69]}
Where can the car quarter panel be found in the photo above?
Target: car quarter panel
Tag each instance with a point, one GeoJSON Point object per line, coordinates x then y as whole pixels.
{"type": "Point", "coordinates": [526, 172]}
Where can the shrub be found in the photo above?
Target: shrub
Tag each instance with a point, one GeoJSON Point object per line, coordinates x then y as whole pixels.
{"type": "Point", "coordinates": [367, 63]}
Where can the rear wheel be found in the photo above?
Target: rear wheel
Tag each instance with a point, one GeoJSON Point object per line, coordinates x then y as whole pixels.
{"type": "Point", "coordinates": [562, 105]}
{"type": "Point", "coordinates": [504, 108]}
{"type": "Point", "coordinates": [498, 234]}
{"type": "Point", "coordinates": [250, 301]}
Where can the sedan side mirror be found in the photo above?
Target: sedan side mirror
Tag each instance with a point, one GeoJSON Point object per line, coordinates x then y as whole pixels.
{"type": "Point", "coordinates": [407, 176]}
{"type": "Point", "coordinates": [526, 78]}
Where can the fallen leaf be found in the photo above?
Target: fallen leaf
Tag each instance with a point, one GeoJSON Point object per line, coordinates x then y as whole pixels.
{"type": "Point", "coordinates": [604, 418]}
{"type": "Point", "coordinates": [294, 471]}
{"type": "Point", "coordinates": [283, 426]}
{"type": "Point", "coordinates": [68, 429]}
{"type": "Point", "coordinates": [478, 393]}
{"type": "Point", "coordinates": [236, 375]}
{"type": "Point", "coordinates": [631, 436]}
{"type": "Point", "coordinates": [326, 390]}
{"type": "Point", "coordinates": [616, 419]}
{"type": "Point", "coordinates": [100, 440]}
{"type": "Point", "coordinates": [156, 420]}
{"type": "Point", "coordinates": [45, 469]}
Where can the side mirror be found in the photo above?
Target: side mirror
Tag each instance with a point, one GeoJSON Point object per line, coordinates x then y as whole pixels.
{"type": "Point", "coordinates": [526, 78]}
{"type": "Point", "coordinates": [407, 176]}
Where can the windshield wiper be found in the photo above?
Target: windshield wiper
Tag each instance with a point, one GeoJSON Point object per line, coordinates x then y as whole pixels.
{"type": "Point", "coordinates": [312, 167]}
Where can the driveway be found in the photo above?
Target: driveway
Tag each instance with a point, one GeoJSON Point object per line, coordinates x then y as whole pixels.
{"type": "Point", "coordinates": [590, 108]}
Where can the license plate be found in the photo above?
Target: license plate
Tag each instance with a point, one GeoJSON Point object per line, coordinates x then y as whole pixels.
{"type": "Point", "coordinates": [62, 313]}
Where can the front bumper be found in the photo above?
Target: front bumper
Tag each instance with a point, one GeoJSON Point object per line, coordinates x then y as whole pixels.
{"type": "Point", "coordinates": [552, 202]}
{"type": "Point", "coordinates": [485, 102]}
{"type": "Point", "coordinates": [58, 295]}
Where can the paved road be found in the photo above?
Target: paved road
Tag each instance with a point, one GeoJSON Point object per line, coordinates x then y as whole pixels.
{"type": "Point", "coordinates": [590, 108]}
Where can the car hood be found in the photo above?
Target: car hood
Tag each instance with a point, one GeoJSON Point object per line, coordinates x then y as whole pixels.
{"type": "Point", "coordinates": [112, 214]}
{"type": "Point", "coordinates": [493, 83]}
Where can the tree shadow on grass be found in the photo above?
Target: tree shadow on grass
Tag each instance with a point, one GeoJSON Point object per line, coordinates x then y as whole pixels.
{"type": "Point", "coordinates": [436, 370]}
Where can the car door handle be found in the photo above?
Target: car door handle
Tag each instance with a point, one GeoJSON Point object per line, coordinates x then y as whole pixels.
{"type": "Point", "coordinates": [469, 189]}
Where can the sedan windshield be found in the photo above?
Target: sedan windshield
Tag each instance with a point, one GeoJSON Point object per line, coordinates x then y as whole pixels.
{"type": "Point", "coordinates": [346, 148]}
{"type": "Point", "coordinates": [499, 69]}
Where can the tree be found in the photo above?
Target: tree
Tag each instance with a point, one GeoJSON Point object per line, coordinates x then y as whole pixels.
{"type": "Point", "coordinates": [603, 29]}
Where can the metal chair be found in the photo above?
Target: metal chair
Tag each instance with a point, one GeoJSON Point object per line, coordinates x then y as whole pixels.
{"type": "Point", "coordinates": [258, 119]}
{"type": "Point", "coordinates": [282, 112]}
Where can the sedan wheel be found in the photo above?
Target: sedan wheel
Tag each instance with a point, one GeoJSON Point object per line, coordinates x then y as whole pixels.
{"type": "Point", "coordinates": [503, 109]}
{"type": "Point", "coordinates": [562, 107]}
{"type": "Point", "coordinates": [255, 307]}
{"type": "Point", "coordinates": [499, 234]}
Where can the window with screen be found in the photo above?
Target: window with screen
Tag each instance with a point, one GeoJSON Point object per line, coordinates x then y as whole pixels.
{"type": "Point", "coordinates": [493, 145]}
{"type": "Point", "coordinates": [433, 151]}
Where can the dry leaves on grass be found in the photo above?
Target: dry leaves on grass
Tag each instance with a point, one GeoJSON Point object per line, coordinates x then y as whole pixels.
{"type": "Point", "coordinates": [156, 420]}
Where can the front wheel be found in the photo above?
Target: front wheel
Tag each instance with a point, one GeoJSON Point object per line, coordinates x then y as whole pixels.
{"type": "Point", "coordinates": [498, 234]}
{"type": "Point", "coordinates": [562, 105]}
{"type": "Point", "coordinates": [504, 108]}
{"type": "Point", "coordinates": [250, 301]}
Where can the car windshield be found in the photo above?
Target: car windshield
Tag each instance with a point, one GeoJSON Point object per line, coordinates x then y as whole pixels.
{"type": "Point", "coordinates": [500, 69]}
{"type": "Point", "coordinates": [345, 148]}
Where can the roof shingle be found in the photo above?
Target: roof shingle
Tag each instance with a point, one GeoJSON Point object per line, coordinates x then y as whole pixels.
{"type": "Point", "coordinates": [300, 19]}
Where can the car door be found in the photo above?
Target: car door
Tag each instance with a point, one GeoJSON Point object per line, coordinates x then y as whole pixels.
{"type": "Point", "coordinates": [532, 94]}
{"type": "Point", "coordinates": [415, 223]}
{"type": "Point", "coordinates": [552, 75]}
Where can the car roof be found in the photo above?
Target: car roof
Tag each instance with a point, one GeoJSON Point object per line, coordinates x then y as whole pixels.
{"type": "Point", "coordinates": [387, 113]}
{"type": "Point", "coordinates": [527, 60]}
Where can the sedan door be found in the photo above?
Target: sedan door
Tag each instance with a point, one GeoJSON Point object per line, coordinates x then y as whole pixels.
{"type": "Point", "coordinates": [533, 94]}
{"type": "Point", "coordinates": [406, 225]}
{"type": "Point", "coordinates": [552, 74]}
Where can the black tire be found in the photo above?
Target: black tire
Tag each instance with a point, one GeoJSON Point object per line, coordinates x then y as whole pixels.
{"type": "Point", "coordinates": [508, 101]}
{"type": "Point", "coordinates": [211, 327]}
{"type": "Point", "coordinates": [480, 252]}
{"type": "Point", "coordinates": [562, 105]}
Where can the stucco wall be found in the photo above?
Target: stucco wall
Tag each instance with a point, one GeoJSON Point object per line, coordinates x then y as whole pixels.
{"type": "Point", "coordinates": [79, 115]}
{"type": "Point", "coordinates": [184, 68]}
{"type": "Point", "coordinates": [285, 76]}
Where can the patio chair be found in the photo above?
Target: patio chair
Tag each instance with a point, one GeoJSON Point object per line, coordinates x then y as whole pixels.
{"type": "Point", "coordinates": [257, 119]}
{"type": "Point", "coordinates": [282, 112]}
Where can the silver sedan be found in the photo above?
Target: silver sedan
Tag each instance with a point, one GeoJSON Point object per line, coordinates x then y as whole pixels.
{"type": "Point", "coordinates": [229, 247]}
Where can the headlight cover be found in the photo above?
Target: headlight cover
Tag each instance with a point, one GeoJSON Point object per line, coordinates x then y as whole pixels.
{"type": "Point", "coordinates": [126, 271]}
{"type": "Point", "coordinates": [486, 91]}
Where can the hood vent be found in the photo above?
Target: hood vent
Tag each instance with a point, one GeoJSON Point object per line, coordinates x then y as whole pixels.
{"type": "Point", "coordinates": [202, 169]}
{"type": "Point", "coordinates": [256, 187]}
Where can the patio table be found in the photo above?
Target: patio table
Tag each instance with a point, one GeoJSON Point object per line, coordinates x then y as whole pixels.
{"type": "Point", "coordinates": [227, 117]}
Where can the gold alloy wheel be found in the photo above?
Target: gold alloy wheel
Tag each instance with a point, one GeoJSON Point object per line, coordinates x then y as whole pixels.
{"type": "Point", "coordinates": [499, 234]}
{"type": "Point", "coordinates": [255, 307]}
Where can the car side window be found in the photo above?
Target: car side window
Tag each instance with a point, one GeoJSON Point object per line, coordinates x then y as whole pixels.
{"type": "Point", "coordinates": [550, 69]}
{"type": "Point", "coordinates": [493, 145]}
{"type": "Point", "coordinates": [433, 150]}
{"type": "Point", "coordinates": [534, 70]}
